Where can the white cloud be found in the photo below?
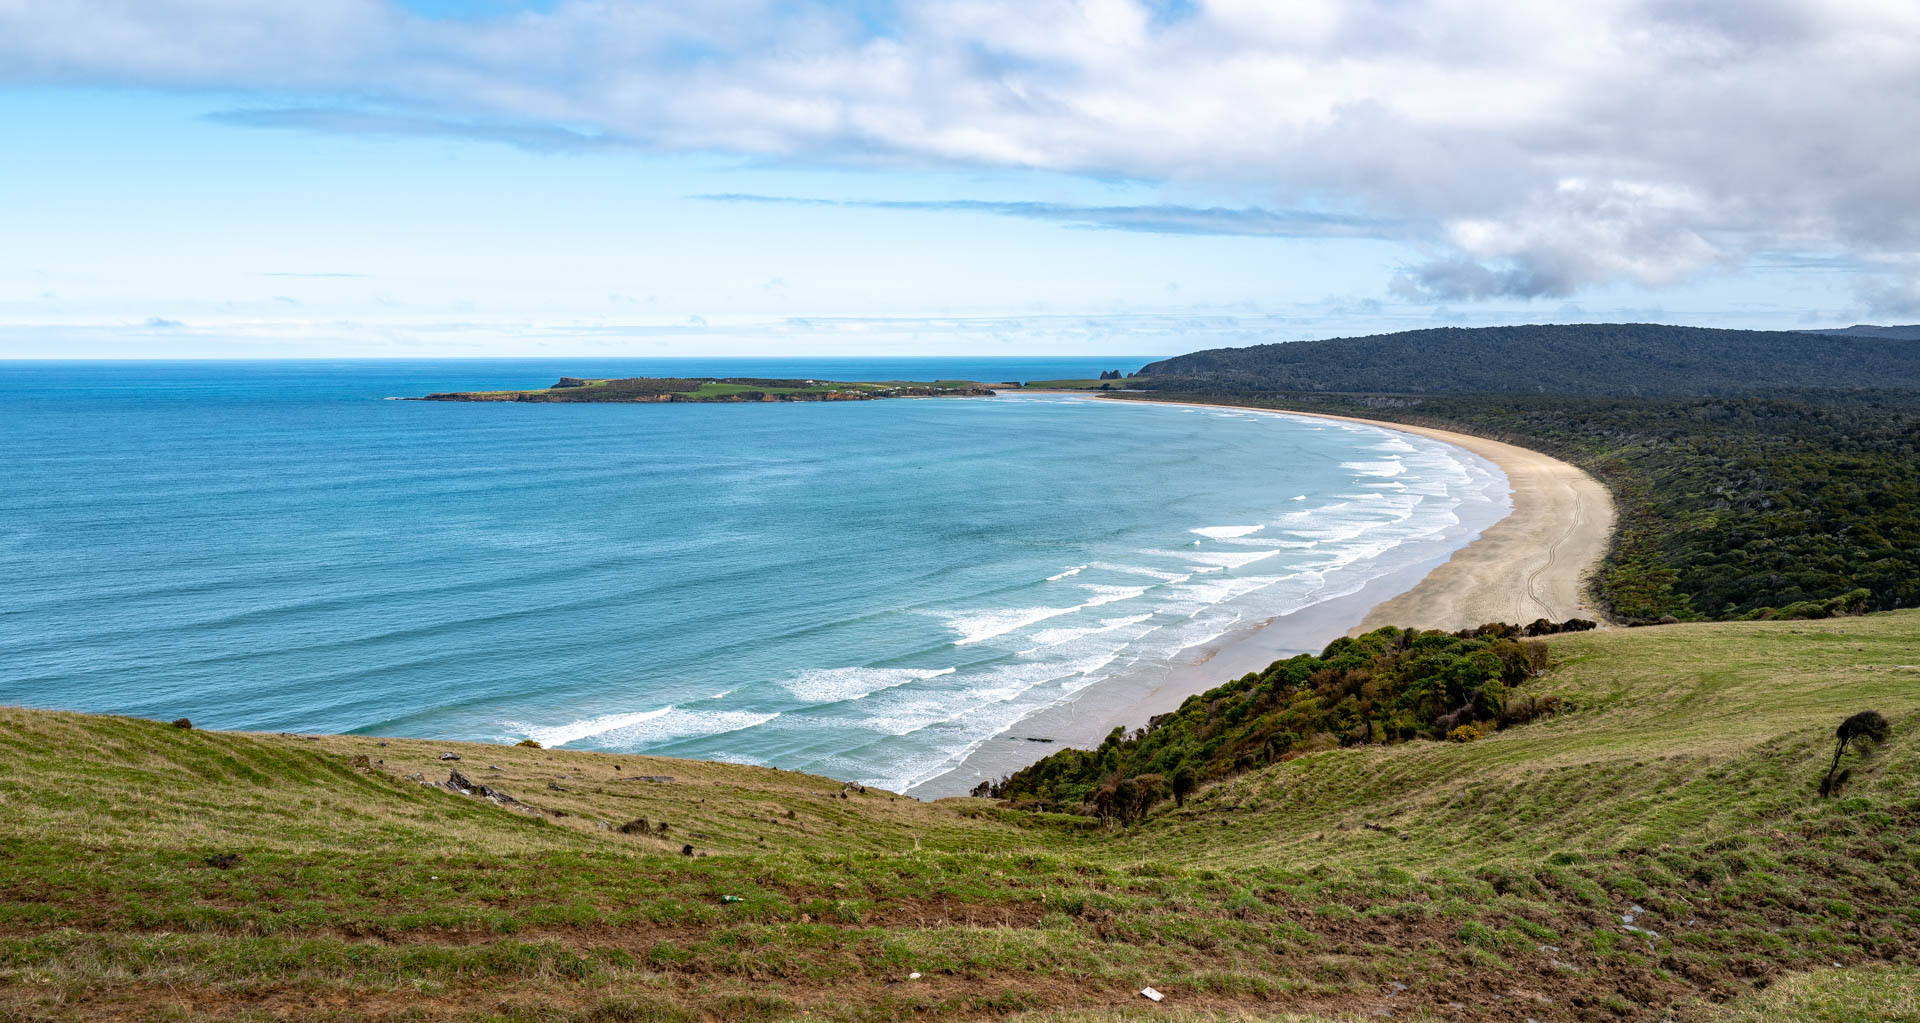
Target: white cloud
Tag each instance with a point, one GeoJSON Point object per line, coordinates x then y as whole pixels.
{"type": "Point", "coordinates": [1535, 149]}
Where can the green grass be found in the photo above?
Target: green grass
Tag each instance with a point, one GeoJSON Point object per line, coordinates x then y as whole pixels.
{"type": "Point", "coordinates": [1486, 880]}
{"type": "Point", "coordinates": [1874, 995]}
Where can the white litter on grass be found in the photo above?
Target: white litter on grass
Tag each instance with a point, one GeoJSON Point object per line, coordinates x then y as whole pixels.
{"type": "Point", "coordinates": [1151, 993]}
{"type": "Point", "coordinates": [914, 975]}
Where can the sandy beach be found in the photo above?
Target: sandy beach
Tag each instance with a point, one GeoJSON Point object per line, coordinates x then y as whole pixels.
{"type": "Point", "coordinates": [1531, 564]}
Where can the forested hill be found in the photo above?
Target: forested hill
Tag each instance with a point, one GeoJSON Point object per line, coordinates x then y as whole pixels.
{"type": "Point", "coordinates": [1610, 359]}
{"type": "Point", "coordinates": [1907, 332]}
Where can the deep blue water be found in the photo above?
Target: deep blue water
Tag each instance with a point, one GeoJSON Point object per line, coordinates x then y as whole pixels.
{"type": "Point", "coordinates": [862, 589]}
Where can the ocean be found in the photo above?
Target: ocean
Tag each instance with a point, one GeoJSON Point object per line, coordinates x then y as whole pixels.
{"type": "Point", "coordinates": [866, 590]}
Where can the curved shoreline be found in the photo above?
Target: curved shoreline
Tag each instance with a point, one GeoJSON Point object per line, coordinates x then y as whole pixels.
{"type": "Point", "coordinates": [1532, 563]}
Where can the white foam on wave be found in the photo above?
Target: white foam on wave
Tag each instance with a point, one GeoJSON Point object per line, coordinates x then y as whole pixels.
{"type": "Point", "coordinates": [1057, 637]}
{"type": "Point", "coordinates": [644, 727]}
{"type": "Point", "coordinates": [991, 694]}
{"type": "Point", "coordinates": [833, 685]}
{"type": "Point", "coordinates": [980, 626]}
{"type": "Point", "coordinates": [1110, 594]}
{"type": "Point", "coordinates": [1219, 559]}
{"type": "Point", "coordinates": [1297, 497]}
{"type": "Point", "coordinates": [560, 735]}
{"type": "Point", "coordinates": [1075, 570]}
{"type": "Point", "coordinates": [1333, 529]}
{"type": "Point", "coordinates": [1224, 532]}
{"type": "Point", "coordinates": [1151, 573]}
{"type": "Point", "coordinates": [1384, 467]}
{"type": "Point", "coordinates": [1196, 597]}
{"type": "Point", "coordinates": [678, 723]}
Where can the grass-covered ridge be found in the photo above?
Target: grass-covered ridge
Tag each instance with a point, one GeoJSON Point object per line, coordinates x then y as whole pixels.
{"type": "Point", "coordinates": [1490, 879]}
{"type": "Point", "coordinates": [719, 389]}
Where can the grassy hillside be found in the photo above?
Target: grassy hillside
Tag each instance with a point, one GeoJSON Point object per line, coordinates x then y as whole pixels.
{"type": "Point", "coordinates": [1615, 359]}
{"type": "Point", "coordinates": [152, 872]}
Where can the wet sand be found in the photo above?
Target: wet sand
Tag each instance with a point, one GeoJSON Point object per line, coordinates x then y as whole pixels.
{"type": "Point", "coordinates": [1531, 564]}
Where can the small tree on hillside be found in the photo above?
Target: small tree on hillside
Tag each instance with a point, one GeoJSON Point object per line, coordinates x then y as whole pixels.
{"type": "Point", "coordinates": [1867, 728]}
{"type": "Point", "coordinates": [1106, 799]}
{"type": "Point", "coordinates": [1184, 782]}
{"type": "Point", "coordinates": [1122, 801]}
{"type": "Point", "coordinates": [1148, 789]}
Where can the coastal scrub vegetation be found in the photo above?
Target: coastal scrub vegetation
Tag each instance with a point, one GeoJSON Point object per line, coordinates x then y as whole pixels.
{"type": "Point", "coordinates": [1387, 686]}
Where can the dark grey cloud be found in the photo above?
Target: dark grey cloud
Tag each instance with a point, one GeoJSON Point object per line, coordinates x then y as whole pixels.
{"type": "Point", "coordinates": [1150, 219]}
{"type": "Point", "coordinates": [1457, 280]}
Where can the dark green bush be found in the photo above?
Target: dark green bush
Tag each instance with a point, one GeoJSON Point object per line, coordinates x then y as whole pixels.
{"type": "Point", "coordinates": [1388, 686]}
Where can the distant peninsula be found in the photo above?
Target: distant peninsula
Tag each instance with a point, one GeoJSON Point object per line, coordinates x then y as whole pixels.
{"type": "Point", "coordinates": [721, 389]}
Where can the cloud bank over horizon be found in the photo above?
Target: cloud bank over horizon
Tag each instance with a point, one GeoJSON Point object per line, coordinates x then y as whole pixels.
{"type": "Point", "coordinates": [1518, 152]}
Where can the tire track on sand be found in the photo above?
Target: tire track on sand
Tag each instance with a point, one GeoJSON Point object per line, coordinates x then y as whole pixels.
{"type": "Point", "coordinates": [1574, 522]}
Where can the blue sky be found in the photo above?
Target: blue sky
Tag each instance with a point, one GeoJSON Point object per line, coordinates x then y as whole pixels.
{"type": "Point", "coordinates": [481, 177]}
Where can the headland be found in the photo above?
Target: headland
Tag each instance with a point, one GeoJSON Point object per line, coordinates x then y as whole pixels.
{"type": "Point", "coordinates": [719, 389]}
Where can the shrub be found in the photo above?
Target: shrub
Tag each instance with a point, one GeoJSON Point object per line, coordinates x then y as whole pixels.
{"type": "Point", "coordinates": [1853, 602]}
{"type": "Point", "coordinates": [1184, 782]}
{"type": "Point", "coordinates": [1523, 709]}
{"type": "Point", "coordinates": [530, 744]}
{"type": "Point", "coordinates": [1390, 685]}
{"type": "Point", "coordinates": [1464, 733]}
{"type": "Point", "coordinates": [1866, 728]}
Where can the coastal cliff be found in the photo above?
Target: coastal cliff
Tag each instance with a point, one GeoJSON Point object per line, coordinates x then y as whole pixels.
{"type": "Point", "coordinates": [719, 389]}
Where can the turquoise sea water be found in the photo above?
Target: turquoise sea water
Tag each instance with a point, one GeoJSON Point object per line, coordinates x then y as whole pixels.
{"type": "Point", "coordinates": [865, 590]}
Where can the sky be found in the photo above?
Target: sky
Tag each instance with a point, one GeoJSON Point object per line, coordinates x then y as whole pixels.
{"type": "Point", "coordinates": [255, 178]}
